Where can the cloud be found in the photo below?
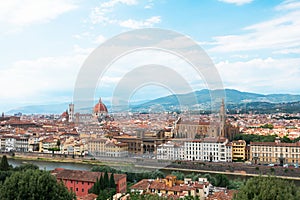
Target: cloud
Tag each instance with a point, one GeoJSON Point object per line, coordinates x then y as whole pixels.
{"type": "Point", "coordinates": [99, 14]}
{"type": "Point", "coordinates": [40, 80]}
{"type": "Point", "coordinates": [237, 2]}
{"type": "Point", "coordinates": [99, 39]}
{"type": "Point", "coordinates": [102, 14]}
{"type": "Point", "coordinates": [269, 75]}
{"type": "Point", "coordinates": [288, 5]}
{"type": "Point", "coordinates": [21, 13]}
{"type": "Point", "coordinates": [274, 34]}
{"type": "Point", "coordinates": [135, 24]}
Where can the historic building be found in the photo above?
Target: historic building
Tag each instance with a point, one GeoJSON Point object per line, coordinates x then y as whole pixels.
{"type": "Point", "coordinates": [212, 149]}
{"type": "Point", "coordinates": [100, 111]}
{"type": "Point", "coordinates": [81, 181]}
{"type": "Point", "coordinates": [200, 129]}
{"type": "Point", "coordinates": [275, 152]}
{"type": "Point", "coordinates": [142, 143]}
{"type": "Point", "coordinates": [170, 151]}
{"type": "Point", "coordinates": [108, 148]}
{"type": "Point", "coordinates": [239, 150]}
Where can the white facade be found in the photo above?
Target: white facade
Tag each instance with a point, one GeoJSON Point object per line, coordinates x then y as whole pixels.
{"type": "Point", "coordinates": [208, 149]}
{"type": "Point", "coordinates": [170, 151]}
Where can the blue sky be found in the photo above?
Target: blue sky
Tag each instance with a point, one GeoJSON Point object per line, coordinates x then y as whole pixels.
{"type": "Point", "coordinates": [254, 44]}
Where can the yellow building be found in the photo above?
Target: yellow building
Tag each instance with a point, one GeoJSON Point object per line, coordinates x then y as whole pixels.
{"type": "Point", "coordinates": [275, 152]}
{"type": "Point", "coordinates": [239, 150]}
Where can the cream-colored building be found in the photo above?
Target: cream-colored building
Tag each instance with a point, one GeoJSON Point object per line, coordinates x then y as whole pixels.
{"type": "Point", "coordinates": [108, 148]}
{"type": "Point", "coordinates": [275, 152]}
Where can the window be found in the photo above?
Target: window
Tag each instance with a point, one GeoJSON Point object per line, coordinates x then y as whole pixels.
{"type": "Point", "coordinates": [82, 190]}
{"type": "Point", "coordinates": [76, 189]}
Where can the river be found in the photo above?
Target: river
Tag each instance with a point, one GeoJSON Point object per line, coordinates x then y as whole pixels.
{"type": "Point", "coordinates": [51, 165]}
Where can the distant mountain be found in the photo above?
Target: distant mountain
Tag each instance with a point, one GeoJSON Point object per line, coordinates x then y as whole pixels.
{"type": "Point", "coordinates": [41, 109]}
{"type": "Point", "coordinates": [203, 100]}
{"type": "Point", "coordinates": [235, 100]}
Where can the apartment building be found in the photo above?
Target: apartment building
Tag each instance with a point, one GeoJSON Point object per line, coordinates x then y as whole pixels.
{"type": "Point", "coordinates": [170, 151]}
{"type": "Point", "coordinates": [108, 148]}
{"type": "Point", "coordinates": [275, 152]}
{"type": "Point", "coordinates": [239, 150]}
{"type": "Point", "coordinates": [212, 149]}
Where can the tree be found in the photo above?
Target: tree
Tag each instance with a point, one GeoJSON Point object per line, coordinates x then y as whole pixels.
{"type": "Point", "coordinates": [268, 188]}
{"type": "Point", "coordinates": [34, 184]}
{"type": "Point", "coordinates": [26, 166]}
{"type": "Point", "coordinates": [112, 183]}
{"type": "Point", "coordinates": [4, 166]}
{"type": "Point", "coordinates": [221, 180]}
{"type": "Point", "coordinates": [106, 180]}
{"type": "Point", "coordinates": [58, 144]}
{"type": "Point", "coordinates": [179, 175]}
{"type": "Point", "coordinates": [101, 181]}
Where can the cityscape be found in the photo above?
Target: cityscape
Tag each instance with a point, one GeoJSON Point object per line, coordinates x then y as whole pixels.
{"type": "Point", "coordinates": [143, 99]}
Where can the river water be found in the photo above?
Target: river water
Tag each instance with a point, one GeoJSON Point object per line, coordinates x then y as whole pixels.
{"type": "Point", "coordinates": [51, 165]}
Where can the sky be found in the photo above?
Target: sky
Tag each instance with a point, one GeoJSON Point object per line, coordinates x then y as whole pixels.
{"type": "Point", "coordinates": [254, 45]}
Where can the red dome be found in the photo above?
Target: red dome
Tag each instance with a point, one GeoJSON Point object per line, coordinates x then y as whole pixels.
{"type": "Point", "coordinates": [100, 107]}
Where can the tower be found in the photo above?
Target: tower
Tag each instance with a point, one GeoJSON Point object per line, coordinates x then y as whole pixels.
{"type": "Point", "coordinates": [71, 112]}
{"type": "Point", "coordinates": [222, 119]}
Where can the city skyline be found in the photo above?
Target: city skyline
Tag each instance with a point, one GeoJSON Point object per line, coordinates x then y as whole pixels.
{"type": "Point", "coordinates": [254, 45]}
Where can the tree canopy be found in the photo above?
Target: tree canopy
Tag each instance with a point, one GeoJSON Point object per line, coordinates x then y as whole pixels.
{"type": "Point", "coordinates": [34, 185]}
{"type": "Point", "coordinates": [268, 188]}
{"type": "Point", "coordinates": [4, 166]}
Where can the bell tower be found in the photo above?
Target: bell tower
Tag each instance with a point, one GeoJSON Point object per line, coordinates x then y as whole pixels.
{"type": "Point", "coordinates": [222, 116]}
{"type": "Point", "coordinates": [71, 112]}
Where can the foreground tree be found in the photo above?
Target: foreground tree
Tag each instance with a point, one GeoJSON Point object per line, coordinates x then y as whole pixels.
{"type": "Point", "coordinates": [4, 166]}
{"type": "Point", "coordinates": [268, 188]}
{"type": "Point", "coordinates": [34, 185]}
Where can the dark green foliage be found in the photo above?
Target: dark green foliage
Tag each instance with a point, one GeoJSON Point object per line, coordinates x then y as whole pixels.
{"type": "Point", "coordinates": [179, 175]}
{"type": "Point", "coordinates": [96, 187]}
{"type": "Point", "coordinates": [4, 175]}
{"type": "Point", "coordinates": [101, 183]}
{"type": "Point", "coordinates": [268, 188]}
{"type": "Point", "coordinates": [103, 169]}
{"type": "Point", "coordinates": [4, 166]}
{"type": "Point", "coordinates": [105, 180]}
{"type": "Point", "coordinates": [106, 194]}
{"type": "Point", "coordinates": [255, 138]}
{"type": "Point", "coordinates": [269, 126]}
{"type": "Point", "coordinates": [285, 139]}
{"type": "Point", "coordinates": [221, 180]}
{"type": "Point", "coordinates": [112, 183]}
{"type": "Point", "coordinates": [25, 167]}
{"type": "Point", "coordinates": [34, 185]}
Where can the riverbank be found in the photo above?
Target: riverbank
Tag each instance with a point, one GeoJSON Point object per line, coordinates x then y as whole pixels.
{"type": "Point", "coordinates": [57, 159]}
{"type": "Point", "coordinates": [76, 163]}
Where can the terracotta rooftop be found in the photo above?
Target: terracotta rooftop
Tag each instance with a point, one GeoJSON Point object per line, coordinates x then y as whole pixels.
{"type": "Point", "coordinates": [79, 175]}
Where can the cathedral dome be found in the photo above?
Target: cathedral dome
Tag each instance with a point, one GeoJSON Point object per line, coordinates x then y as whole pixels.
{"type": "Point", "coordinates": [100, 107]}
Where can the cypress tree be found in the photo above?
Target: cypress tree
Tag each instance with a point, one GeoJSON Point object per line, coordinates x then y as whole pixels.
{"type": "Point", "coordinates": [106, 180]}
{"type": "Point", "coordinates": [4, 166]}
{"type": "Point", "coordinates": [112, 181]}
{"type": "Point", "coordinates": [101, 183]}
